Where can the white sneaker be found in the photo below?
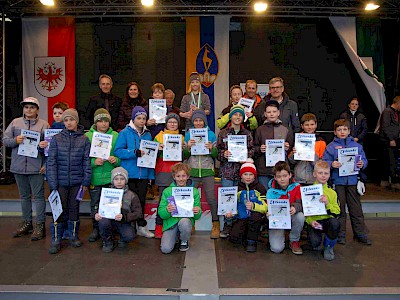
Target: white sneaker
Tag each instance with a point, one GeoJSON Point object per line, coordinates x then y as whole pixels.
{"type": "Point", "coordinates": [143, 231]}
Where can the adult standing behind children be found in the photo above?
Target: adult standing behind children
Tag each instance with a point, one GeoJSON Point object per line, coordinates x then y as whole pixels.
{"type": "Point", "coordinates": [28, 171]}
{"type": "Point", "coordinates": [133, 97]}
{"type": "Point", "coordinates": [358, 121]}
{"type": "Point", "coordinates": [251, 92]}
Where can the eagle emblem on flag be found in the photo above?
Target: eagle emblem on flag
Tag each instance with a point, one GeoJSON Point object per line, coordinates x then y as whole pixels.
{"type": "Point", "coordinates": [49, 75]}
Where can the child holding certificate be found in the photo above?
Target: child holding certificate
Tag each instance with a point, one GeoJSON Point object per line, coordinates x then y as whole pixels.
{"type": "Point", "coordinates": [202, 166]}
{"type": "Point", "coordinates": [128, 150]}
{"type": "Point", "coordinates": [157, 92]}
{"type": "Point", "coordinates": [251, 208]}
{"type": "Point", "coordinates": [346, 186]}
{"type": "Point", "coordinates": [283, 187]}
{"type": "Point", "coordinates": [101, 168]}
{"type": "Point", "coordinates": [328, 223]}
{"type": "Point", "coordinates": [130, 211]}
{"type": "Point", "coordinates": [175, 228]}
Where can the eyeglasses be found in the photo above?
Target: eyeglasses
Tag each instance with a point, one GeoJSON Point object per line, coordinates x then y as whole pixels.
{"type": "Point", "coordinates": [276, 87]}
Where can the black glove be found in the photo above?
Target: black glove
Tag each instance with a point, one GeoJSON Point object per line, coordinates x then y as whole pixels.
{"type": "Point", "coordinates": [138, 153]}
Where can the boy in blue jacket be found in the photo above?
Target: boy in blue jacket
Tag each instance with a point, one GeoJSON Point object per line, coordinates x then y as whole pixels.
{"type": "Point", "coordinates": [346, 186]}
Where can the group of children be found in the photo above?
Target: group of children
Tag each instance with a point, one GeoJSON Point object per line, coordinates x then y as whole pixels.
{"type": "Point", "coordinates": [70, 170]}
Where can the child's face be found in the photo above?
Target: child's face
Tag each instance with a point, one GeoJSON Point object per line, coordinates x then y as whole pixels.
{"type": "Point", "coordinates": [172, 124]}
{"type": "Point", "coordinates": [140, 121]}
{"type": "Point", "coordinates": [283, 178]}
{"type": "Point", "coordinates": [169, 99]}
{"type": "Point", "coordinates": [309, 126]}
{"type": "Point", "coordinates": [237, 118]}
{"type": "Point", "coordinates": [248, 177]}
{"type": "Point", "coordinates": [57, 114]}
{"type": "Point", "coordinates": [195, 84]}
{"type": "Point", "coordinates": [70, 124]}
{"type": "Point", "coordinates": [102, 126]}
{"type": "Point", "coordinates": [133, 91]}
{"type": "Point", "coordinates": [198, 123]}
{"type": "Point", "coordinates": [30, 111]}
{"type": "Point", "coordinates": [353, 105]}
{"type": "Point", "coordinates": [342, 132]}
{"type": "Point", "coordinates": [180, 178]}
{"type": "Point", "coordinates": [119, 181]}
{"type": "Point", "coordinates": [322, 175]}
{"type": "Point", "coordinates": [158, 94]}
{"type": "Point", "coordinates": [272, 113]}
{"type": "Point", "coordinates": [236, 94]}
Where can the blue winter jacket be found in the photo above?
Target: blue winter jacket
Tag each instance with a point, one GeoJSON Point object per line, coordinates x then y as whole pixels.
{"type": "Point", "coordinates": [127, 143]}
{"type": "Point", "coordinates": [331, 154]}
{"type": "Point", "coordinates": [68, 163]}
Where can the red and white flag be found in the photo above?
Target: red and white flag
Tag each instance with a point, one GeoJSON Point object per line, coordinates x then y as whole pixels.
{"type": "Point", "coordinates": [48, 60]}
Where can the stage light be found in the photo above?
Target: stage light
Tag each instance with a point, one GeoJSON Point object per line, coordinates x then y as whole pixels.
{"type": "Point", "coordinates": [260, 7]}
{"type": "Point", "coordinates": [47, 2]}
{"type": "Point", "coordinates": [371, 6]}
{"type": "Point", "coordinates": [147, 2]}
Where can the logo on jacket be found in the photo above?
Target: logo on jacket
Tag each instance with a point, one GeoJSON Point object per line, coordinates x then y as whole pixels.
{"type": "Point", "coordinates": [50, 75]}
{"type": "Point", "coordinates": [207, 65]}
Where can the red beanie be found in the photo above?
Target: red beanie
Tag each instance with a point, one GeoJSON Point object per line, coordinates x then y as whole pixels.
{"type": "Point", "coordinates": [248, 166]}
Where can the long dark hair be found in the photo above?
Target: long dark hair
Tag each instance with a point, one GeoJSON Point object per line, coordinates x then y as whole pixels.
{"type": "Point", "coordinates": [139, 100]}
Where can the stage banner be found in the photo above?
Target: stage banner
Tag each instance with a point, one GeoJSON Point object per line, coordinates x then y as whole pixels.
{"type": "Point", "coordinates": [207, 52]}
{"type": "Point", "coordinates": [48, 62]}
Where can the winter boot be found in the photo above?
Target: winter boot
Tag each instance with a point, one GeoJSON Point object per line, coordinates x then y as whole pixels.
{"type": "Point", "coordinates": [56, 230]}
{"type": "Point", "coordinates": [73, 227]}
{"type": "Point", "coordinates": [39, 232]}
{"type": "Point", "coordinates": [66, 233]}
{"type": "Point", "coordinates": [108, 246]}
{"type": "Point", "coordinates": [24, 228]}
{"type": "Point", "coordinates": [328, 248]}
{"type": "Point", "coordinates": [158, 231]}
{"type": "Point", "coordinates": [95, 235]}
{"type": "Point", "coordinates": [215, 230]}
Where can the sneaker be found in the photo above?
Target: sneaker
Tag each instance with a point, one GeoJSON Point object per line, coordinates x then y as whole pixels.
{"type": "Point", "coordinates": [296, 249]}
{"type": "Point", "coordinates": [319, 248]}
{"type": "Point", "coordinates": [39, 232]}
{"type": "Point", "coordinates": [341, 240]}
{"type": "Point", "coordinates": [94, 236]}
{"type": "Point", "coordinates": [385, 184]}
{"type": "Point", "coordinates": [122, 244]}
{"type": "Point", "coordinates": [363, 240]}
{"type": "Point", "coordinates": [158, 232]}
{"type": "Point", "coordinates": [23, 229]}
{"type": "Point", "coordinates": [225, 231]}
{"type": "Point", "coordinates": [108, 246]}
{"type": "Point", "coordinates": [251, 246]}
{"type": "Point", "coordinates": [184, 246]}
{"type": "Point", "coordinates": [143, 231]}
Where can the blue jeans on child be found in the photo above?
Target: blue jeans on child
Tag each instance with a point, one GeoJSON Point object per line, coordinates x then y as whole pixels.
{"type": "Point", "coordinates": [170, 236]}
{"type": "Point", "coordinates": [125, 230]}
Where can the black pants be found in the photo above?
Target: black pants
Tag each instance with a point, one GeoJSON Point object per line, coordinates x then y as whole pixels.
{"type": "Point", "coordinates": [389, 163]}
{"type": "Point", "coordinates": [139, 186]}
{"type": "Point", "coordinates": [69, 203]}
{"type": "Point", "coordinates": [246, 229]}
{"type": "Point", "coordinates": [330, 227]}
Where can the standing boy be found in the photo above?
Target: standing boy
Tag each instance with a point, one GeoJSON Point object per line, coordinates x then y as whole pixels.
{"type": "Point", "coordinates": [58, 109]}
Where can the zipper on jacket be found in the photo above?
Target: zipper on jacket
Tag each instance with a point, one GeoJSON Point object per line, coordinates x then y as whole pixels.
{"type": "Point", "coordinates": [69, 164]}
{"type": "Point", "coordinates": [199, 167]}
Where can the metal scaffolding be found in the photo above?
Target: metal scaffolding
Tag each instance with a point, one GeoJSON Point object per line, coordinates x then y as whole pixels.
{"type": "Point", "coordinates": [2, 89]}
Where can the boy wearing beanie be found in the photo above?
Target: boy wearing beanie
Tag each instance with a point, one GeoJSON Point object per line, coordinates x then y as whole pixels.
{"type": "Point", "coordinates": [130, 211]}
{"type": "Point", "coordinates": [251, 208]}
{"type": "Point", "coordinates": [101, 168]}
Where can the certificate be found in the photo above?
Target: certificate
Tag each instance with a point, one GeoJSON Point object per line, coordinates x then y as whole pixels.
{"type": "Point", "coordinates": [110, 202]}
{"type": "Point", "coordinates": [200, 136]}
{"type": "Point", "coordinates": [279, 210]}
{"type": "Point", "coordinates": [227, 200]}
{"type": "Point", "coordinates": [184, 200]}
{"type": "Point", "coordinates": [48, 136]}
{"type": "Point", "coordinates": [305, 146]}
{"type": "Point", "coordinates": [310, 196]}
{"type": "Point", "coordinates": [237, 145]}
{"type": "Point", "coordinates": [347, 157]}
{"type": "Point", "coordinates": [30, 144]}
{"type": "Point", "coordinates": [172, 150]}
{"type": "Point", "coordinates": [274, 152]}
{"type": "Point", "coordinates": [247, 105]}
{"type": "Point", "coordinates": [148, 160]}
{"type": "Point", "coordinates": [55, 204]}
{"type": "Point", "coordinates": [157, 110]}
{"type": "Point", "coordinates": [101, 145]}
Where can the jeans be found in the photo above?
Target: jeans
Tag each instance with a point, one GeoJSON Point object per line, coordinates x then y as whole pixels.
{"type": "Point", "coordinates": [32, 185]}
{"type": "Point", "coordinates": [330, 227]}
{"type": "Point", "coordinates": [264, 180]}
{"type": "Point", "coordinates": [170, 236]}
{"type": "Point", "coordinates": [125, 230]}
{"type": "Point", "coordinates": [208, 186]}
{"type": "Point", "coordinates": [277, 236]}
{"type": "Point", "coordinates": [69, 203]}
{"type": "Point", "coordinates": [228, 182]}
{"type": "Point", "coordinates": [95, 194]}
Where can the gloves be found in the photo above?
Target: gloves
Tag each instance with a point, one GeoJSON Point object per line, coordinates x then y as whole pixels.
{"type": "Point", "coordinates": [360, 188]}
{"type": "Point", "coordinates": [138, 153]}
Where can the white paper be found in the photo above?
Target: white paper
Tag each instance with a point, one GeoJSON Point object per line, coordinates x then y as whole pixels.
{"type": "Point", "coordinates": [200, 136]}
{"type": "Point", "coordinates": [279, 210]}
{"type": "Point", "coordinates": [184, 200]}
{"type": "Point", "coordinates": [101, 145]}
{"type": "Point", "coordinates": [274, 152]}
{"type": "Point", "coordinates": [148, 160]}
{"type": "Point", "coordinates": [227, 200]}
{"type": "Point", "coordinates": [29, 147]}
{"type": "Point", "coordinates": [157, 110]}
{"type": "Point", "coordinates": [237, 145]}
{"type": "Point", "coordinates": [247, 105]}
{"type": "Point", "coordinates": [172, 150]}
{"type": "Point", "coordinates": [55, 204]}
{"type": "Point", "coordinates": [48, 136]}
{"type": "Point", "coordinates": [310, 197]}
{"type": "Point", "coordinates": [110, 202]}
{"type": "Point", "coordinates": [347, 157]}
{"type": "Point", "coordinates": [305, 146]}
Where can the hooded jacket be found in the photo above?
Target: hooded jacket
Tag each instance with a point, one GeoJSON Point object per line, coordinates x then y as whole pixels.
{"type": "Point", "coordinates": [254, 192]}
{"type": "Point", "coordinates": [292, 192]}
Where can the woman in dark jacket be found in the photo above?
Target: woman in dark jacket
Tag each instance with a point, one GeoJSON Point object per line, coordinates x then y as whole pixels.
{"type": "Point", "coordinates": [133, 97]}
{"type": "Point", "coordinates": [358, 121]}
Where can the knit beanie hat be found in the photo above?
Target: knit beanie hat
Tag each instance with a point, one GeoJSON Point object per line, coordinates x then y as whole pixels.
{"type": "Point", "coordinates": [137, 111]}
{"type": "Point", "coordinates": [236, 109]}
{"type": "Point", "coordinates": [194, 76]}
{"type": "Point", "coordinates": [102, 114]}
{"type": "Point", "coordinates": [248, 166]}
{"type": "Point", "coordinates": [119, 171]}
{"type": "Point", "coordinates": [172, 116]}
{"type": "Point", "coordinates": [199, 113]}
{"type": "Point", "coordinates": [70, 112]}
{"type": "Point", "coordinates": [30, 100]}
